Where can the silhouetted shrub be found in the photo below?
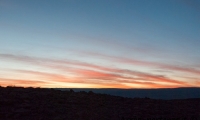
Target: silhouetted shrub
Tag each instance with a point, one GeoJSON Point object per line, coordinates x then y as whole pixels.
{"type": "Point", "coordinates": [147, 98]}
{"type": "Point", "coordinates": [10, 86]}
{"type": "Point", "coordinates": [52, 89]}
{"type": "Point", "coordinates": [90, 92]}
{"type": "Point", "coordinates": [83, 92]}
{"type": "Point", "coordinates": [71, 90]}
{"type": "Point", "coordinates": [30, 88]}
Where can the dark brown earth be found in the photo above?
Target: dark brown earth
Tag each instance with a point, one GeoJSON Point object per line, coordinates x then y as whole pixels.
{"type": "Point", "coordinates": [48, 104]}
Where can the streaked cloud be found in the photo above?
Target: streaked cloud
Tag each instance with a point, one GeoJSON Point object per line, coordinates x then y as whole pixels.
{"type": "Point", "coordinates": [132, 61]}
{"type": "Point", "coordinates": [88, 73]}
{"type": "Point", "coordinates": [21, 82]}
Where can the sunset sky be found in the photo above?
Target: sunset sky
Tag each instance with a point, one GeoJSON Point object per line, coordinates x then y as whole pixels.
{"type": "Point", "coordinates": [100, 43]}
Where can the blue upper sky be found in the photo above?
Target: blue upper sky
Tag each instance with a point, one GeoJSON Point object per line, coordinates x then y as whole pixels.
{"type": "Point", "coordinates": [100, 43]}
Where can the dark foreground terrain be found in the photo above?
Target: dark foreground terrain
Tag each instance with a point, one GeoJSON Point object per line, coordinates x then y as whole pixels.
{"type": "Point", "coordinates": [49, 104]}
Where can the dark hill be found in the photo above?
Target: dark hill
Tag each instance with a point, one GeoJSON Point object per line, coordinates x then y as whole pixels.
{"type": "Point", "coordinates": [18, 103]}
{"type": "Point", "coordinates": [161, 93]}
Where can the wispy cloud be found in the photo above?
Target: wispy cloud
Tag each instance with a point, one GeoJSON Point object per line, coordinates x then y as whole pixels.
{"type": "Point", "coordinates": [114, 83]}
{"type": "Point", "coordinates": [21, 82]}
{"type": "Point", "coordinates": [19, 58]}
{"type": "Point", "coordinates": [95, 77]}
{"type": "Point", "coordinates": [51, 77]}
{"type": "Point", "coordinates": [45, 61]}
{"type": "Point", "coordinates": [114, 44]}
{"type": "Point", "coordinates": [64, 79]}
{"type": "Point", "coordinates": [91, 73]}
{"type": "Point", "coordinates": [152, 77]}
{"type": "Point", "coordinates": [132, 61]}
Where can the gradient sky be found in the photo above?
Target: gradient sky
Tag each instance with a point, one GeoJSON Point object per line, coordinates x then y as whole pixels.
{"type": "Point", "coordinates": [100, 43]}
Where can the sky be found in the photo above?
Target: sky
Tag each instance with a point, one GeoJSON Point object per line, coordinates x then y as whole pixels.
{"type": "Point", "coordinates": [100, 43]}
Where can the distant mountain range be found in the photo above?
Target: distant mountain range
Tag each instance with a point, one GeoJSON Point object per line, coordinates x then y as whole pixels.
{"type": "Point", "coordinates": [163, 93]}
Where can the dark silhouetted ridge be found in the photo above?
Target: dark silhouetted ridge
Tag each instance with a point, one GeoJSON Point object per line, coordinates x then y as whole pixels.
{"type": "Point", "coordinates": [18, 103]}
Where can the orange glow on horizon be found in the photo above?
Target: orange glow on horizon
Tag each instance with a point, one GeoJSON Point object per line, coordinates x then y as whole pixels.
{"type": "Point", "coordinates": [84, 74]}
{"type": "Point", "coordinates": [42, 84]}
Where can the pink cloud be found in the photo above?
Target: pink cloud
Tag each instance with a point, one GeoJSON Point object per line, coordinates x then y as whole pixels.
{"type": "Point", "coordinates": [131, 61]}
{"type": "Point", "coordinates": [151, 77]}
{"type": "Point", "coordinates": [91, 76]}
{"type": "Point", "coordinates": [21, 82]}
{"type": "Point", "coordinates": [98, 74]}
{"type": "Point", "coordinates": [115, 82]}
{"type": "Point", "coordinates": [52, 77]}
